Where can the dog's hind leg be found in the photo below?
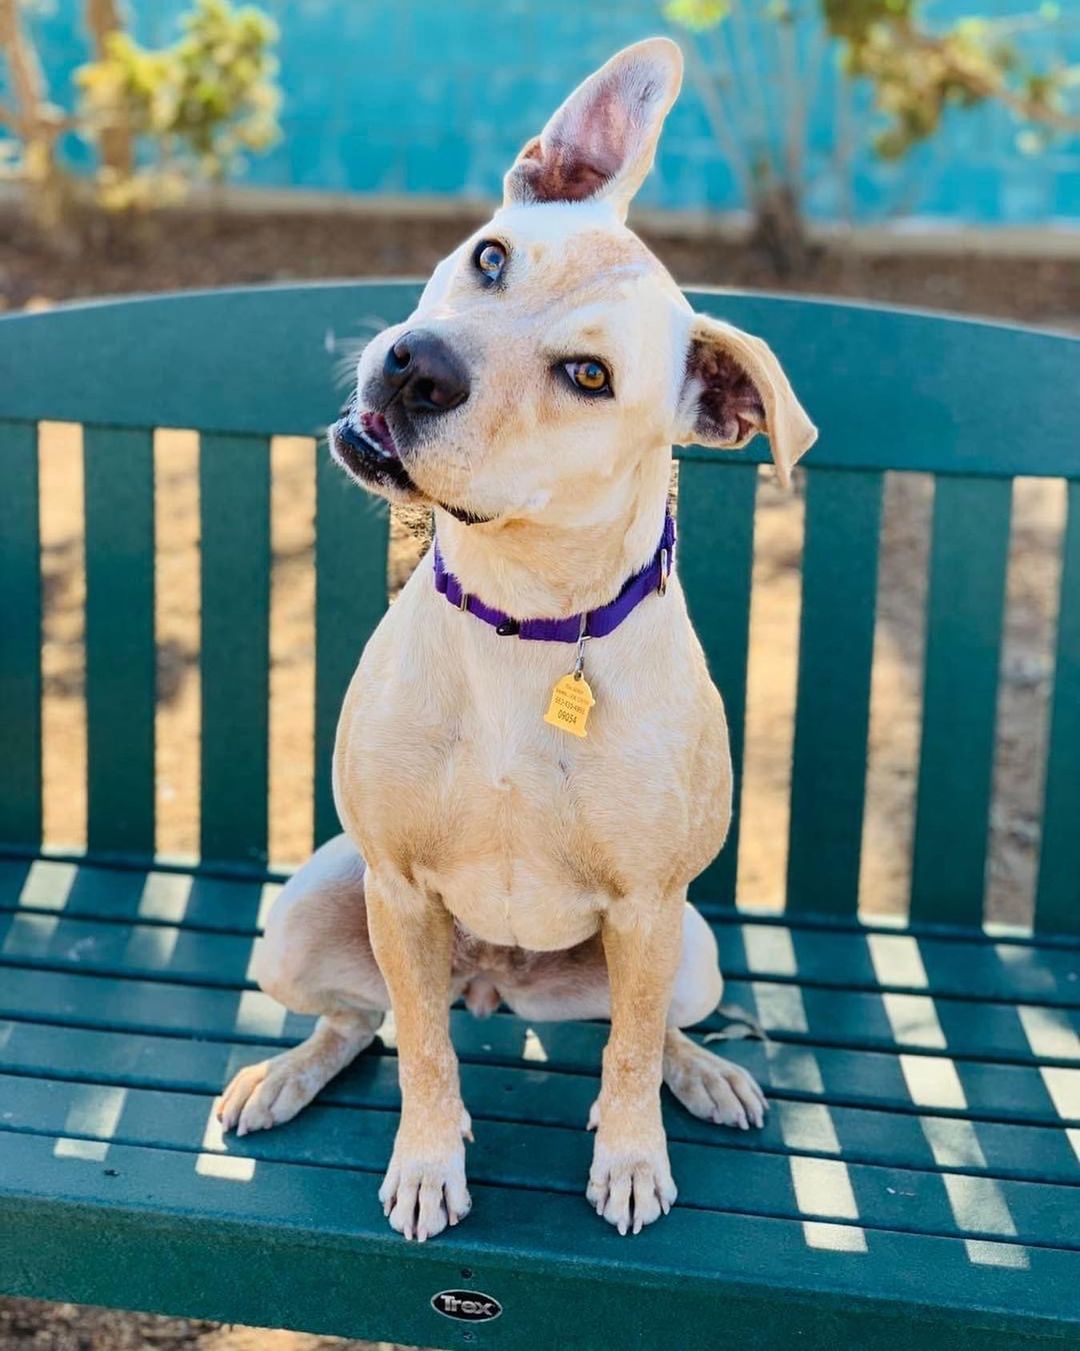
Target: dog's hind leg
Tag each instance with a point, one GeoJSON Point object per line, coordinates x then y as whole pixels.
{"type": "Point", "coordinates": [706, 1084]}
{"type": "Point", "coordinates": [315, 957]}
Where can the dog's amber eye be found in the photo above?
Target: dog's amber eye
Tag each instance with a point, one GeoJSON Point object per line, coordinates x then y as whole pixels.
{"type": "Point", "coordinates": [590, 376]}
{"type": "Point", "coordinates": [490, 259]}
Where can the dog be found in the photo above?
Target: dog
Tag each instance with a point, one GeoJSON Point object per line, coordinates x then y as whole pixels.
{"type": "Point", "coordinates": [532, 762]}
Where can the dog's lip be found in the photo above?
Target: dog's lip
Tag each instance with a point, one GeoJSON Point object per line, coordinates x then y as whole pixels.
{"type": "Point", "coordinates": [369, 434]}
{"type": "Point", "coordinates": [376, 431]}
{"type": "Point", "coordinates": [364, 445]}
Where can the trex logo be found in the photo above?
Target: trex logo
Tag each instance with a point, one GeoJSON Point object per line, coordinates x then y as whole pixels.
{"type": "Point", "coordinates": [467, 1306]}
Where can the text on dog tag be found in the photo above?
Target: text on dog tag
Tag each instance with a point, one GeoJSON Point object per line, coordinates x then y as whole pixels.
{"type": "Point", "coordinates": [571, 700]}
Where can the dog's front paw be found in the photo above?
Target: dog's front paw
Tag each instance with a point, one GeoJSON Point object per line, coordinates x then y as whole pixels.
{"type": "Point", "coordinates": [630, 1181]}
{"type": "Point", "coordinates": [424, 1189]}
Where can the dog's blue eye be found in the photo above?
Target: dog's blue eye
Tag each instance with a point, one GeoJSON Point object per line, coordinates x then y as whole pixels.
{"type": "Point", "coordinates": [490, 259]}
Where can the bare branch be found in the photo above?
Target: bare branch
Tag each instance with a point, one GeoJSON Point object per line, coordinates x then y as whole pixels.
{"type": "Point", "coordinates": [115, 141]}
{"type": "Point", "coordinates": [734, 147]}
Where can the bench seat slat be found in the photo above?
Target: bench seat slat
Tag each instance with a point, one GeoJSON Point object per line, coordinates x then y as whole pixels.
{"type": "Point", "coordinates": [351, 544]}
{"type": "Point", "coordinates": [224, 900]}
{"type": "Point", "coordinates": [20, 635]}
{"type": "Point", "coordinates": [952, 1088]}
{"type": "Point", "coordinates": [1001, 971]}
{"type": "Point", "coordinates": [234, 509]}
{"type": "Point", "coordinates": [120, 652]}
{"type": "Point", "coordinates": [856, 1132]}
{"type": "Point", "coordinates": [846, 1020]}
{"type": "Point", "coordinates": [977, 970]}
{"type": "Point", "coordinates": [125, 895]}
{"type": "Point", "coordinates": [968, 557]}
{"type": "Point", "coordinates": [836, 648]}
{"type": "Point", "coordinates": [515, 1154]}
{"type": "Point", "coordinates": [1057, 899]}
{"type": "Point", "coordinates": [715, 561]}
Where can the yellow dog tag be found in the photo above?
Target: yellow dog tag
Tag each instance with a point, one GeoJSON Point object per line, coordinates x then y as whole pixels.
{"type": "Point", "coordinates": [571, 700]}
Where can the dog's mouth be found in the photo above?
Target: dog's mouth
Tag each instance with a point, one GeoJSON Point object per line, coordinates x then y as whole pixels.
{"type": "Point", "coordinates": [363, 444]}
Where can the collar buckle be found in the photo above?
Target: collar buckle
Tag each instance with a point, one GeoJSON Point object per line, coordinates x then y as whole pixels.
{"type": "Point", "coordinates": [665, 567]}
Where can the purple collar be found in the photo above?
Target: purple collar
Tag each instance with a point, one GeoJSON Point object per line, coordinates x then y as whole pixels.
{"type": "Point", "coordinates": [595, 624]}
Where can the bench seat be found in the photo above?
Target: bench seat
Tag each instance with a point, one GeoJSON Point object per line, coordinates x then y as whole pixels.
{"type": "Point", "coordinates": [918, 1169]}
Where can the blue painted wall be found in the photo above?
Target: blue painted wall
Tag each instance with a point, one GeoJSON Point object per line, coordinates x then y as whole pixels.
{"type": "Point", "coordinates": [435, 96]}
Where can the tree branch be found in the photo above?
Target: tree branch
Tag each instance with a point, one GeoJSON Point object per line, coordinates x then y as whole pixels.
{"type": "Point", "coordinates": [990, 85]}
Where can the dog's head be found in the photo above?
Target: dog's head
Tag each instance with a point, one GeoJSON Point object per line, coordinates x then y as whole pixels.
{"type": "Point", "coordinates": [551, 356]}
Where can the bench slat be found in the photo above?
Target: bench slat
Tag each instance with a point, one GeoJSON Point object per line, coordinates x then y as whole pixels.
{"type": "Point", "coordinates": [226, 904]}
{"type": "Point", "coordinates": [1057, 899]}
{"type": "Point", "coordinates": [515, 1154]}
{"type": "Point", "coordinates": [969, 553]}
{"type": "Point", "coordinates": [20, 635]}
{"type": "Point", "coordinates": [120, 651]}
{"type": "Point", "coordinates": [960, 1090]}
{"type": "Point", "coordinates": [977, 969]}
{"type": "Point", "coordinates": [1008, 972]}
{"type": "Point", "coordinates": [715, 561]}
{"type": "Point", "coordinates": [234, 505]}
{"type": "Point", "coordinates": [855, 1131]}
{"type": "Point", "coordinates": [351, 542]}
{"type": "Point", "coordinates": [1003, 1033]}
{"type": "Point", "coordinates": [836, 648]}
{"type": "Point", "coordinates": [889, 390]}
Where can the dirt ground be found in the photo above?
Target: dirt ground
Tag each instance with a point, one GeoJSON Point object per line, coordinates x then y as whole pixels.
{"type": "Point", "coordinates": [203, 250]}
{"type": "Point", "coordinates": [24, 1324]}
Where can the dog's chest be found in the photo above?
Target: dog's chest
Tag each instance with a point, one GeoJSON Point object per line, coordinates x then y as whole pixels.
{"type": "Point", "coordinates": [520, 861]}
{"type": "Point", "coordinates": [462, 785]}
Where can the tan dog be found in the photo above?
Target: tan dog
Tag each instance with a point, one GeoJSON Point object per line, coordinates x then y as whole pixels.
{"type": "Point", "coordinates": [532, 400]}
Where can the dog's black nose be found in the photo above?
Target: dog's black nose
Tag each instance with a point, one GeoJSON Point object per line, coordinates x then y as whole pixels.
{"type": "Point", "coordinates": [428, 375]}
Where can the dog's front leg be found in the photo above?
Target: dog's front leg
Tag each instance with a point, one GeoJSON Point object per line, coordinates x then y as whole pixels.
{"type": "Point", "coordinates": [630, 1180]}
{"type": "Point", "coordinates": [412, 936]}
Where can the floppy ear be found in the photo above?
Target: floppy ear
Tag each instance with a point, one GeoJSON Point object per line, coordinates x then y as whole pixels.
{"type": "Point", "coordinates": [602, 141]}
{"type": "Point", "coordinates": [733, 389]}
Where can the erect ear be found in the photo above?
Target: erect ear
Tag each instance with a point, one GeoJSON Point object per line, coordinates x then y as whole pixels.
{"type": "Point", "coordinates": [733, 389]}
{"type": "Point", "coordinates": [602, 141]}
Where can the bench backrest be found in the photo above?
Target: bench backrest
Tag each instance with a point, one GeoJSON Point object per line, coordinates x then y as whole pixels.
{"type": "Point", "coordinates": [974, 404]}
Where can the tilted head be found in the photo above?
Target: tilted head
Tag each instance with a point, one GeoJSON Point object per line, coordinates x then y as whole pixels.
{"type": "Point", "coordinates": [552, 361]}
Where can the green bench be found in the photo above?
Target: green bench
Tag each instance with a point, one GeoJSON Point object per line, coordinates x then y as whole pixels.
{"type": "Point", "coordinates": [918, 1175]}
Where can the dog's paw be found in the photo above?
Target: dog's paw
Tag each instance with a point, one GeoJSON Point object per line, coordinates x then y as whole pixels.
{"type": "Point", "coordinates": [267, 1094]}
{"type": "Point", "coordinates": [712, 1088]}
{"type": "Point", "coordinates": [630, 1190]}
{"type": "Point", "coordinates": [630, 1183]}
{"type": "Point", "coordinates": [424, 1189]}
